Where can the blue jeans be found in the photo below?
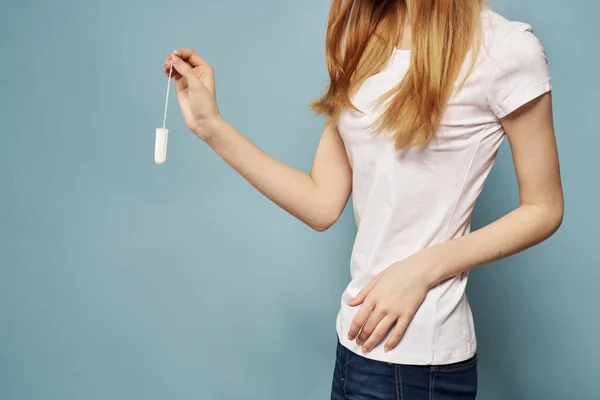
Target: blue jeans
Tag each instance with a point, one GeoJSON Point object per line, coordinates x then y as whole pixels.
{"type": "Point", "coordinates": [359, 378]}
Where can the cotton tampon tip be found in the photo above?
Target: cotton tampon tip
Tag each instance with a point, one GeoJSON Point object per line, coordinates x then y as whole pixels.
{"type": "Point", "coordinates": [160, 145]}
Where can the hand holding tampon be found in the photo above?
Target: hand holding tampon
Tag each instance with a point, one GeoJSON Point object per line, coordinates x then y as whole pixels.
{"type": "Point", "coordinates": [195, 87]}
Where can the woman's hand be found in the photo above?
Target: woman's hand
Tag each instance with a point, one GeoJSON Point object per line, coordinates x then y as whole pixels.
{"type": "Point", "coordinates": [389, 302]}
{"type": "Point", "coordinates": [195, 86]}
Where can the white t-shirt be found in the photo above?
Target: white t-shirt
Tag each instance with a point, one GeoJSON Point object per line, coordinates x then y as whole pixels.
{"type": "Point", "coordinates": [406, 200]}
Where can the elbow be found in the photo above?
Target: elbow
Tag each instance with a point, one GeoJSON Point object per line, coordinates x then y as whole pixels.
{"type": "Point", "coordinates": [546, 216]}
{"type": "Point", "coordinates": [557, 214]}
{"type": "Point", "coordinates": [556, 219]}
{"type": "Point", "coordinates": [323, 221]}
{"type": "Point", "coordinates": [553, 219]}
{"type": "Point", "coordinates": [321, 225]}
{"type": "Point", "coordinates": [321, 228]}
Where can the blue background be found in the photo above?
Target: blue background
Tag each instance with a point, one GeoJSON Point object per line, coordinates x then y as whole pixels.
{"type": "Point", "coordinates": [121, 279]}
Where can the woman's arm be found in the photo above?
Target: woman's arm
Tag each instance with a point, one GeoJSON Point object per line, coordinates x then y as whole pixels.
{"type": "Point", "coordinates": [317, 199]}
{"type": "Point", "coordinates": [531, 136]}
{"type": "Point", "coordinates": [392, 298]}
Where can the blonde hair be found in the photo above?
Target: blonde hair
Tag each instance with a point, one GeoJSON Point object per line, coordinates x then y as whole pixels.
{"type": "Point", "coordinates": [362, 35]}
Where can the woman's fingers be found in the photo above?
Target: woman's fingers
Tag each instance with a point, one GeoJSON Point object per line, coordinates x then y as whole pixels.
{"type": "Point", "coordinates": [381, 331]}
{"type": "Point", "coordinates": [190, 56]}
{"type": "Point", "coordinates": [188, 60]}
{"type": "Point", "coordinates": [362, 295]}
{"type": "Point", "coordinates": [187, 72]}
{"type": "Point", "coordinates": [167, 68]}
{"type": "Point", "coordinates": [180, 82]}
{"type": "Point", "coordinates": [397, 334]}
{"type": "Point", "coordinates": [369, 327]}
{"type": "Point", "coordinates": [360, 319]}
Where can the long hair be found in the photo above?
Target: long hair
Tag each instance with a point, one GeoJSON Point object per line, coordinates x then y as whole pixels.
{"type": "Point", "coordinates": [361, 37]}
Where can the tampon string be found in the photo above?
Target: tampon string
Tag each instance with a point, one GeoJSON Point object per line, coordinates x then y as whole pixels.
{"type": "Point", "coordinates": [167, 98]}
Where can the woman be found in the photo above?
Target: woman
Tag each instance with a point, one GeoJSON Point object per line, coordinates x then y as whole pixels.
{"type": "Point", "coordinates": [421, 95]}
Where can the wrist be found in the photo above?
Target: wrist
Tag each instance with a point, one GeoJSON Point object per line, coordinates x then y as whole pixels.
{"type": "Point", "coordinates": [209, 128]}
{"type": "Point", "coordinates": [433, 263]}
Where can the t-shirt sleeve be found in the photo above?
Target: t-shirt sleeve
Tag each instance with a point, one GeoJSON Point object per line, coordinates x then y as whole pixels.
{"type": "Point", "coordinates": [520, 74]}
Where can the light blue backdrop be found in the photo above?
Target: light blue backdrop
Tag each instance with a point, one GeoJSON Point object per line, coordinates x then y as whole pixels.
{"type": "Point", "coordinates": [120, 279]}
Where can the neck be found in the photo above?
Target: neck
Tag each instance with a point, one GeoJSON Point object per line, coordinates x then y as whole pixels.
{"type": "Point", "coordinates": [404, 42]}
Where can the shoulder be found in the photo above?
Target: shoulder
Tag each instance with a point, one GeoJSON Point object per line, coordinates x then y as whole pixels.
{"type": "Point", "coordinates": [516, 67]}
{"type": "Point", "coordinates": [505, 40]}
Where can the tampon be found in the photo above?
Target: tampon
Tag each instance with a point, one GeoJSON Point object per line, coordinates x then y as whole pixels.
{"type": "Point", "coordinates": [160, 145]}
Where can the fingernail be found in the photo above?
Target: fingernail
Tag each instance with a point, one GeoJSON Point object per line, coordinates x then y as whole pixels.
{"type": "Point", "coordinates": [175, 52]}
